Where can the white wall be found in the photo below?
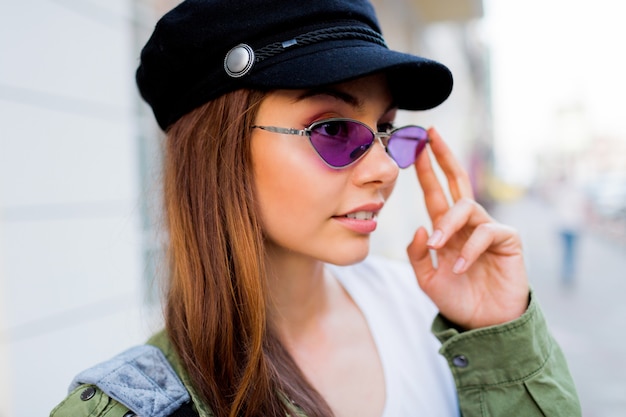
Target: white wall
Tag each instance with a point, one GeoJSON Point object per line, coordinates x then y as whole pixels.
{"type": "Point", "coordinates": [70, 240]}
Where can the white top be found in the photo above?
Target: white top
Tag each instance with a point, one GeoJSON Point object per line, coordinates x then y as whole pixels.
{"type": "Point", "coordinates": [418, 380]}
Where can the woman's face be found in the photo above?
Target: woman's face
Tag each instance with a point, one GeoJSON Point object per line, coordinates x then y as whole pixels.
{"type": "Point", "coordinates": [307, 208]}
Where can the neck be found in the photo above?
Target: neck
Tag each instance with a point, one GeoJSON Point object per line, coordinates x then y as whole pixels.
{"type": "Point", "coordinates": [301, 293]}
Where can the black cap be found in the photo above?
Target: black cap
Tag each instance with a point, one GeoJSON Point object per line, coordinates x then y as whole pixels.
{"type": "Point", "coordinates": [203, 49]}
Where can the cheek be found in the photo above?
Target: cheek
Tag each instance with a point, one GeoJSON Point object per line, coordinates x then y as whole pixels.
{"type": "Point", "coordinates": [293, 185]}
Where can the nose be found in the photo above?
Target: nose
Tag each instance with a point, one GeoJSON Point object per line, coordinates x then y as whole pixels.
{"type": "Point", "coordinates": [376, 166]}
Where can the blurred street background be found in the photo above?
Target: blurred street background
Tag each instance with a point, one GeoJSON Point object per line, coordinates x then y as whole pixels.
{"type": "Point", "coordinates": [586, 314]}
{"type": "Point", "coordinates": [536, 116]}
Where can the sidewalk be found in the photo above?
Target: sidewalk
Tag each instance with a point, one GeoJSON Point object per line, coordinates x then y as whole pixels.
{"type": "Point", "coordinates": [588, 317]}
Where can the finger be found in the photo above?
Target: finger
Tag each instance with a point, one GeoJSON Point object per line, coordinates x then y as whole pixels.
{"type": "Point", "coordinates": [492, 237]}
{"type": "Point", "coordinates": [463, 213]}
{"type": "Point", "coordinates": [434, 197]}
{"type": "Point", "coordinates": [420, 258]}
{"type": "Point", "coordinates": [458, 180]}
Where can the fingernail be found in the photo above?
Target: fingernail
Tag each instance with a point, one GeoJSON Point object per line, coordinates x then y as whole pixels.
{"type": "Point", "coordinates": [435, 238]}
{"type": "Point", "coordinates": [459, 265]}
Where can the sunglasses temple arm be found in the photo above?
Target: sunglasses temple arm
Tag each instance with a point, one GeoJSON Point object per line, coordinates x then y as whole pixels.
{"type": "Point", "coordinates": [283, 130]}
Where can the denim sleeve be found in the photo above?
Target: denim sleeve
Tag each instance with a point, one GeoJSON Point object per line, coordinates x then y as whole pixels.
{"type": "Point", "coordinates": [513, 369]}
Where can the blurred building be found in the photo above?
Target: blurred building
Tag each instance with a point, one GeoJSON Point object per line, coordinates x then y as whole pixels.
{"type": "Point", "coordinates": [79, 168]}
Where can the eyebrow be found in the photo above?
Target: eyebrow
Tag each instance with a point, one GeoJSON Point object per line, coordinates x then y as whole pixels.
{"type": "Point", "coordinates": [332, 92]}
{"type": "Point", "coordinates": [338, 94]}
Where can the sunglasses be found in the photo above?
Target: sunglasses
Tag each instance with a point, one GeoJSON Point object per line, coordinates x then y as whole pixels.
{"type": "Point", "coordinates": [341, 142]}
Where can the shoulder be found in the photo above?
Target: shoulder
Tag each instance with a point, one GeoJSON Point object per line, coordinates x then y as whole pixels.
{"type": "Point", "coordinates": [139, 381]}
{"type": "Point", "coordinates": [88, 400]}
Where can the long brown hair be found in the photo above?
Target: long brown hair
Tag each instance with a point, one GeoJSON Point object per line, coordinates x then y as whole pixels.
{"type": "Point", "coordinates": [217, 308]}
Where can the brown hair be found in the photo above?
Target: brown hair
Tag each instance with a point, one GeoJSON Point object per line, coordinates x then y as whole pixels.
{"type": "Point", "coordinates": [217, 309]}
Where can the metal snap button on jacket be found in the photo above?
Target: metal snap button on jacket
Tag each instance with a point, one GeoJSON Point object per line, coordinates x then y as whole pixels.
{"type": "Point", "coordinates": [460, 361]}
{"type": "Point", "coordinates": [87, 393]}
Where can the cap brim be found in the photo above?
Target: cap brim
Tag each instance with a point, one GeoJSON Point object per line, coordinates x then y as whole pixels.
{"type": "Point", "coordinates": [416, 83]}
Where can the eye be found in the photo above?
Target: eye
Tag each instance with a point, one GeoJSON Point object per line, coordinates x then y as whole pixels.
{"type": "Point", "coordinates": [333, 128]}
{"type": "Point", "coordinates": [385, 127]}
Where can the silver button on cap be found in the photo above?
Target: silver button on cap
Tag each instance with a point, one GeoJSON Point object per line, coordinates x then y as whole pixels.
{"type": "Point", "coordinates": [239, 60]}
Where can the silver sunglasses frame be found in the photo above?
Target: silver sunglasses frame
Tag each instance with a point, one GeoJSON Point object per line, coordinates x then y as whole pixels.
{"type": "Point", "coordinates": [382, 136]}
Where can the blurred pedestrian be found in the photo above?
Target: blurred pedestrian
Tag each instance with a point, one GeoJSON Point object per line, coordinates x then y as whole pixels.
{"type": "Point", "coordinates": [571, 209]}
{"type": "Point", "coordinates": [281, 152]}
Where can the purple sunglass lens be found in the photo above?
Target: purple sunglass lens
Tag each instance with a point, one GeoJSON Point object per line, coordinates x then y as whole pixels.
{"type": "Point", "coordinates": [341, 142]}
{"type": "Point", "coordinates": [406, 143]}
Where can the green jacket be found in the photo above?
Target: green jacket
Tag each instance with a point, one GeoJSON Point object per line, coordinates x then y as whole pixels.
{"type": "Point", "coordinates": [514, 369]}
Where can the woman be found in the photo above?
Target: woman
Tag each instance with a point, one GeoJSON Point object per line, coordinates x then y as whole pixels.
{"type": "Point", "coordinates": [280, 154]}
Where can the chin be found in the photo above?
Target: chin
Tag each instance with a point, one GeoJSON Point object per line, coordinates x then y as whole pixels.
{"type": "Point", "coordinates": [348, 255]}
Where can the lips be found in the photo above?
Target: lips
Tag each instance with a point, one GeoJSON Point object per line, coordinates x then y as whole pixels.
{"type": "Point", "coordinates": [361, 219]}
{"type": "Point", "coordinates": [364, 212]}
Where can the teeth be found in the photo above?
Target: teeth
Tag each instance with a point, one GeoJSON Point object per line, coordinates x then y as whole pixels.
{"type": "Point", "coordinates": [361, 215]}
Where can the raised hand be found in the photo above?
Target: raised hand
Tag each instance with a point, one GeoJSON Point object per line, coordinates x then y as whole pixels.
{"type": "Point", "coordinates": [479, 278]}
